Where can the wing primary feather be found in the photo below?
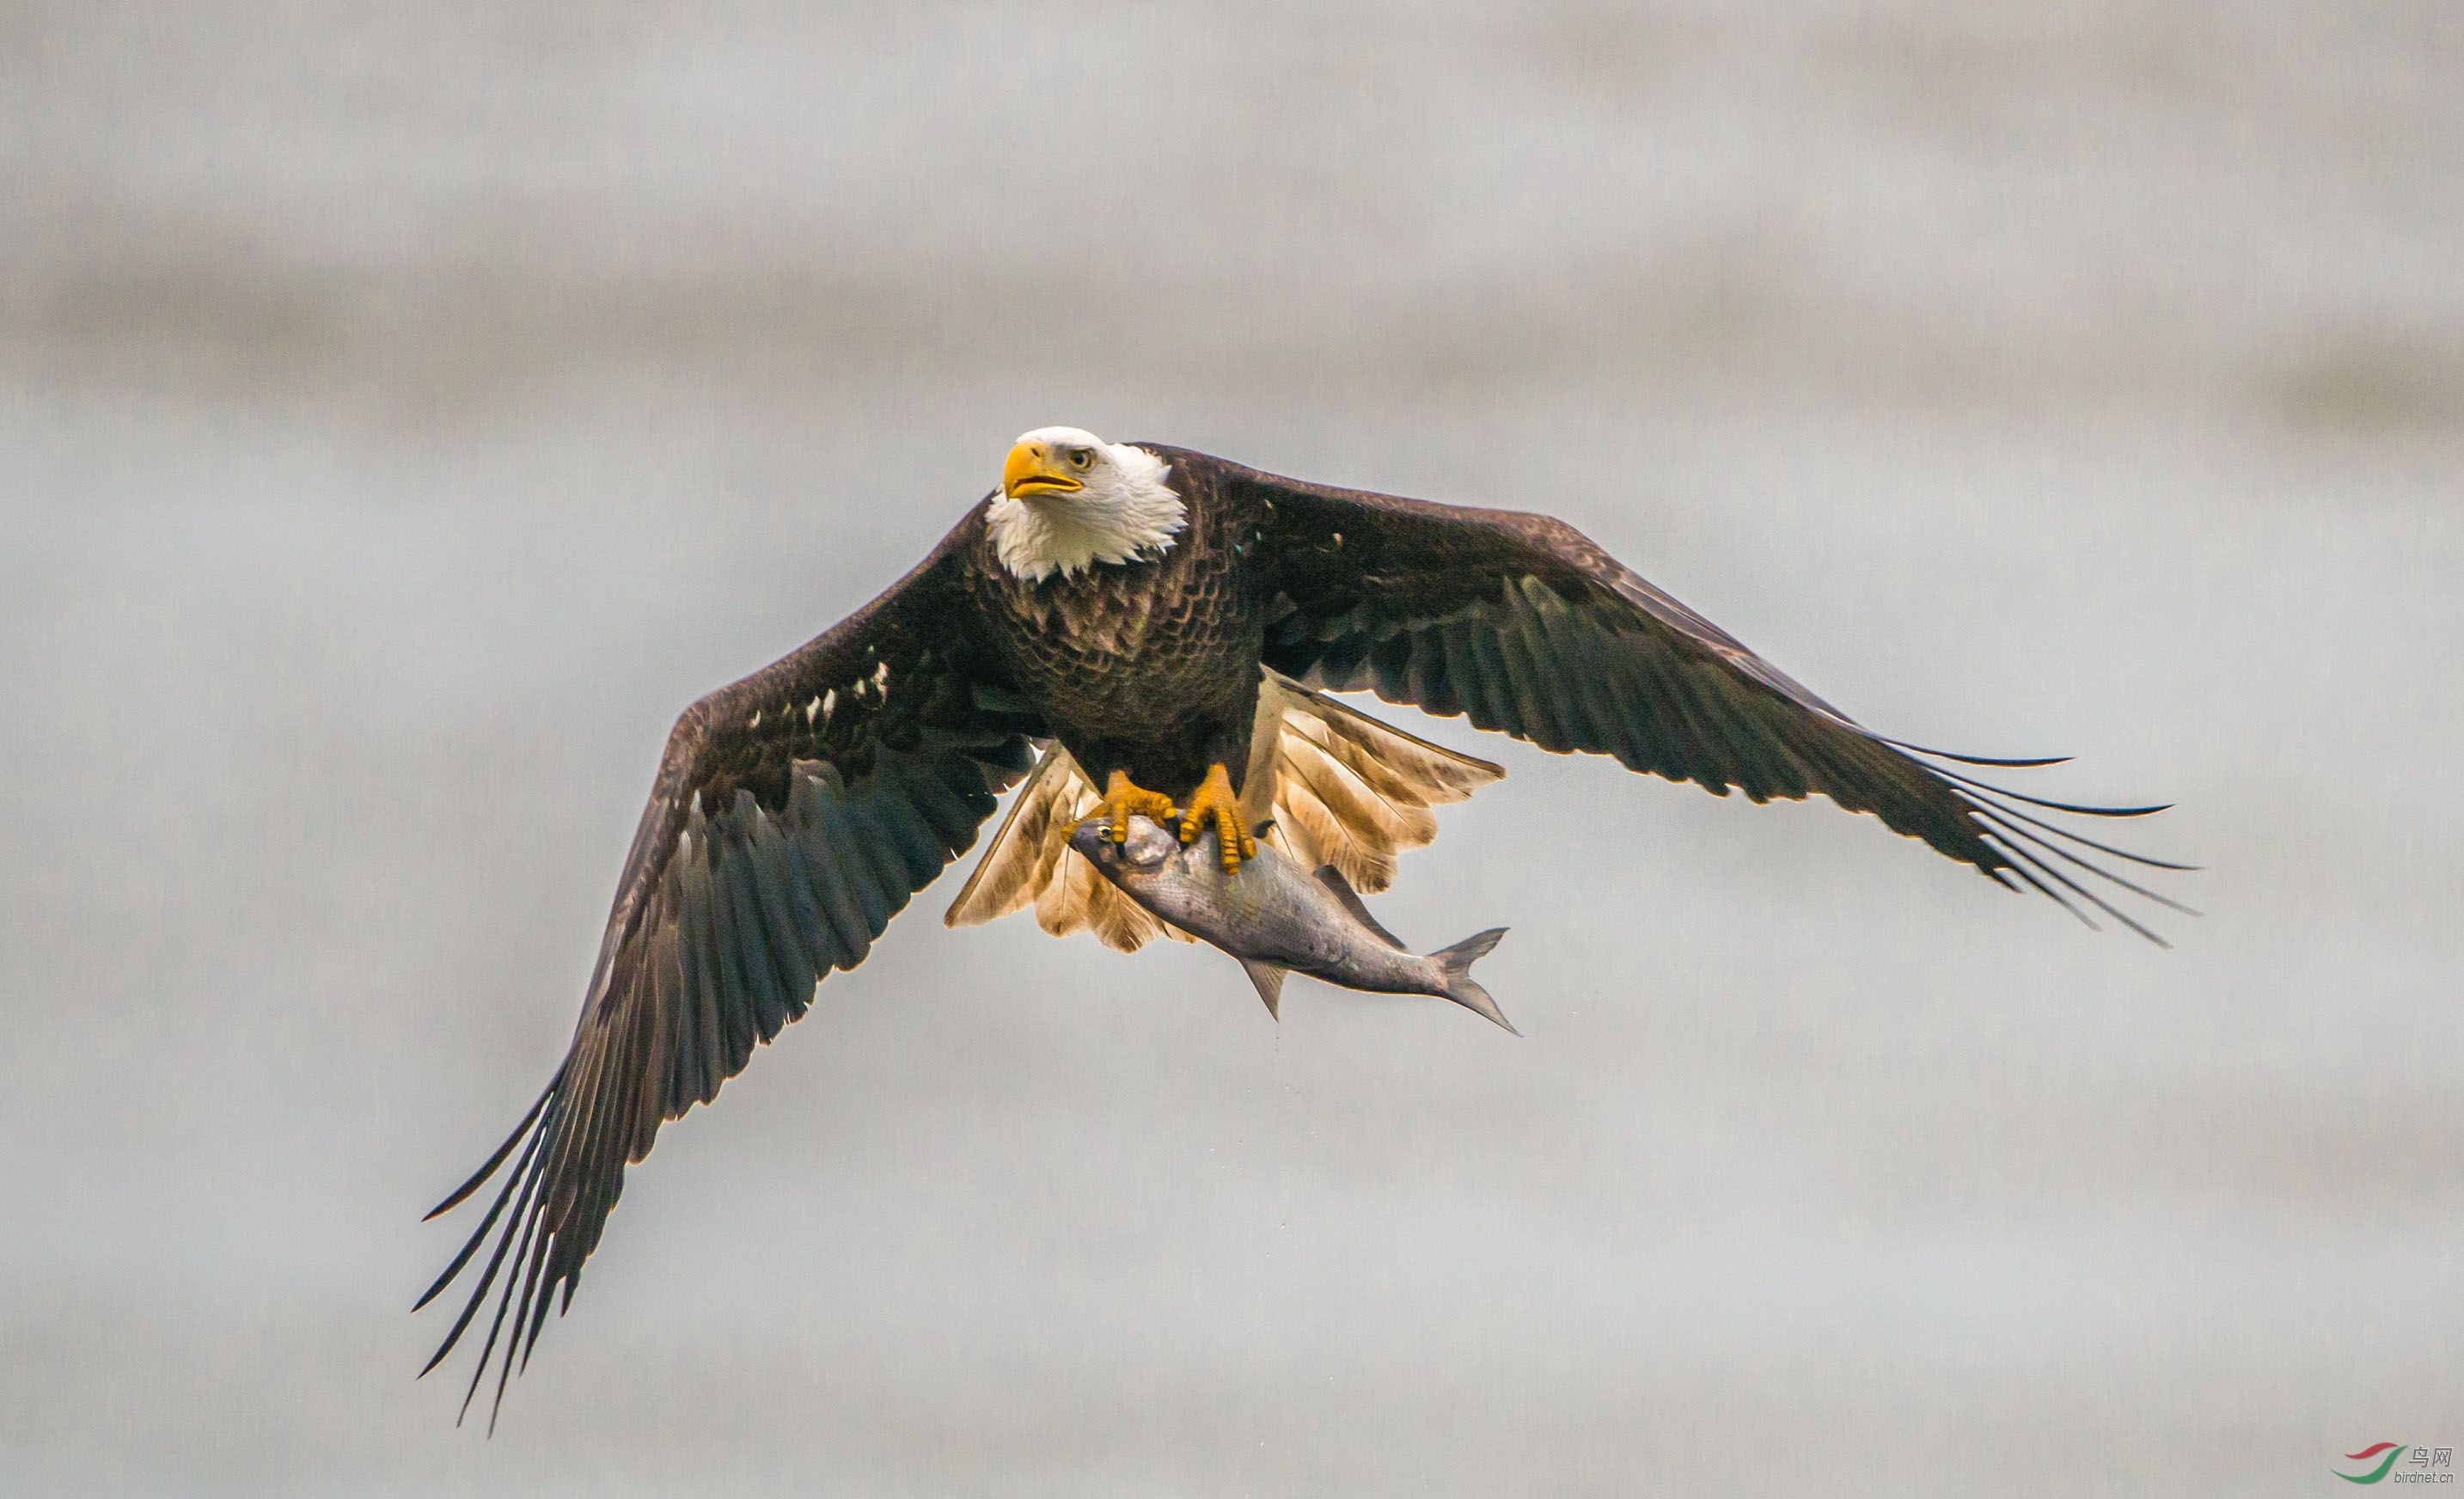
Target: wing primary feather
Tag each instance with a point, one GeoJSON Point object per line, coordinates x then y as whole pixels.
{"type": "Point", "coordinates": [1976, 795]}
{"type": "Point", "coordinates": [522, 1175]}
{"type": "Point", "coordinates": [471, 1247]}
{"type": "Point", "coordinates": [528, 1222]}
{"type": "Point", "coordinates": [598, 1160]}
{"type": "Point", "coordinates": [1975, 759]}
{"type": "Point", "coordinates": [2013, 832]}
{"type": "Point", "coordinates": [586, 1160]}
{"type": "Point", "coordinates": [2053, 806]}
{"type": "Point", "coordinates": [572, 1154]}
{"type": "Point", "coordinates": [2019, 865]}
{"type": "Point", "coordinates": [2090, 896]}
{"type": "Point", "coordinates": [543, 1278]}
{"type": "Point", "coordinates": [529, 1258]}
{"type": "Point", "coordinates": [498, 1159]}
{"type": "Point", "coordinates": [612, 1146]}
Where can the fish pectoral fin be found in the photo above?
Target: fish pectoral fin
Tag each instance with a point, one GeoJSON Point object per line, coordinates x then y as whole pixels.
{"type": "Point", "coordinates": [1341, 889]}
{"type": "Point", "coordinates": [1270, 980]}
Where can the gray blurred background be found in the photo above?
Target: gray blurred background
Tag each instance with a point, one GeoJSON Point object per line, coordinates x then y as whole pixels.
{"type": "Point", "coordinates": [406, 410]}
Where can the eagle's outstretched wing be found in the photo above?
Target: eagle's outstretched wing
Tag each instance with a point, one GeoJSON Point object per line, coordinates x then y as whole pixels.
{"type": "Point", "coordinates": [795, 813]}
{"type": "Point", "coordinates": [1520, 624]}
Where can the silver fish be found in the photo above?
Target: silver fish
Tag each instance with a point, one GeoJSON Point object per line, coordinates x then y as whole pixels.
{"type": "Point", "coordinates": [1274, 916]}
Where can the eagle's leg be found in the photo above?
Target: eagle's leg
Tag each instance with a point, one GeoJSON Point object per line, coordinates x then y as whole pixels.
{"type": "Point", "coordinates": [1215, 802]}
{"type": "Point", "coordinates": [1125, 799]}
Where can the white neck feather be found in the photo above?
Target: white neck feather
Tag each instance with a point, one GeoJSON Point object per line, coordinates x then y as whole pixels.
{"type": "Point", "coordinates": [1126, 511]}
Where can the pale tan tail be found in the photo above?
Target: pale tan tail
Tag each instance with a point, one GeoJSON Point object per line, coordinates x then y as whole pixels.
{"type": "Point", "coordinates": [1342, 789]}
{"type": "Point", "coordinates": [1030, 862]}
{"type": "Point", "coordinates": [1346, 789]}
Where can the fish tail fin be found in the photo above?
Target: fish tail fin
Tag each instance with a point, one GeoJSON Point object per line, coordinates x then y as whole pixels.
{"type": "Point", "coordinates": [1455, 963]}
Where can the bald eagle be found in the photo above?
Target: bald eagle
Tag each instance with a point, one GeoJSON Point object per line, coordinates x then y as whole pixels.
{"type": "Point", "coordinates": [1135, 628]}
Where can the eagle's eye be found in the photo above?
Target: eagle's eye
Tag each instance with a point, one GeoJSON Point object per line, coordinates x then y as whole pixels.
{"type": "Point", "coordinates": [1080, 458]}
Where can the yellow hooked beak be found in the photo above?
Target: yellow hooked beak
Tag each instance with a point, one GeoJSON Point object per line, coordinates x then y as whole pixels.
{"type": "Point", "coordinates": [1034, 469]}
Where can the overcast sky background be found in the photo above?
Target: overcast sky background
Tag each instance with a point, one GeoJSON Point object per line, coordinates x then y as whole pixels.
{"type": "Point", "coordinates": [406, 410]}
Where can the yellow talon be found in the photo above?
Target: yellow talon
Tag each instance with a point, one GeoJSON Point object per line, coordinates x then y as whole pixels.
{"type": "Point", "coordinates": [1214, 801]}
{"type": "Point", "coordinates": [1125, 799]}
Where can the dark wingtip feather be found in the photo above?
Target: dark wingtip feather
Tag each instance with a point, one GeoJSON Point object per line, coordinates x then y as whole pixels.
{"type": "Point", "coordinates": [2027, 863]}
{"type": "Point", "coordinates": [1995, 762]}
{"type": "Point", "coordinates": [2027, 842]}
{"type": "Point", "coordinates": [2011, 834]}
{"type": "Point", "coordinates": [528, 1221]}
{"type": "Point", "coordinates": [1985, 797]}
{"type": "Point", "coordinates": [2020, 868]}
{"type": "Point", "coordinates": [489, 1167]}
{"type": "Point", "coordinates": [2079, 809]}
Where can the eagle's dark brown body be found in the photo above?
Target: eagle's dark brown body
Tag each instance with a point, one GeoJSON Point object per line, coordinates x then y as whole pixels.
{"type": "Point", "coordinates": [1148, 666]}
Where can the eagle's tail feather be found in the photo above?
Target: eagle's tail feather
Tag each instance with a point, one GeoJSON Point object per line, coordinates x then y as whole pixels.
{"type": "Point", "coordinates": [1347, 790]}
{"type": "Point", "coordinates": [1028, 865]}
{"type": "Point", "coordinates": [1025, 851]}
{"type": "Point", "coordinates": [1340, 787]}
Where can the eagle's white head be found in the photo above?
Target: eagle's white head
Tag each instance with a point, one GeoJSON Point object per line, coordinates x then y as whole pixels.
{"type": "Point", "coordinates": [1070, 499]}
